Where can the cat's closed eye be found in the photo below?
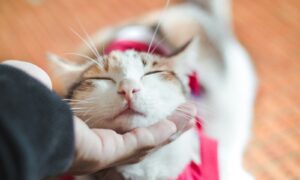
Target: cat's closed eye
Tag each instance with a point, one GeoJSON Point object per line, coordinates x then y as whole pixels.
{"type": "Point", "coordinates": [153, 72]}
{"type": "Point", "coordinates": [101, 78]}
{"type": "Point", "coordinates": [159, 72]}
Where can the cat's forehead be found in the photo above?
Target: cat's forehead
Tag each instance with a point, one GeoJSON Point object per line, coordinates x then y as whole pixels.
{"type": "Point", "coordinates": [123, 60]}
{"type": "Point", "coordinates": [127, 64]}
{"type": "Point", "coordinates": [128, 61]}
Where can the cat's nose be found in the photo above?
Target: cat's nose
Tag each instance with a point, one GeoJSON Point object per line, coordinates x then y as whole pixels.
{"type": "Point", "coordinates": [127, 88]}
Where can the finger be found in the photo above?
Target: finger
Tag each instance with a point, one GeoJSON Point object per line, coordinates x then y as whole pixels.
{"type": "Point", "coordinates": [189, 125]}
{"type": "Point", "coordinates": [31, 70]}
{"type": "Point", "coordinates": [182, 115]}
{"type": "Point", "coordinates": [160, 132]}
{"type": "Point", "coordinates": [115, 149]}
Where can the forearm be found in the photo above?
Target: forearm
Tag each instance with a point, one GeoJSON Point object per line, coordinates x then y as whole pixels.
{"type": "Point", "coordinates": [36, 128]}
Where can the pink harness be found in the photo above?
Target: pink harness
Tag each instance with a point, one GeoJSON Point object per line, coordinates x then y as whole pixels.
{"type": "Point", "coordinates": [208, 169]}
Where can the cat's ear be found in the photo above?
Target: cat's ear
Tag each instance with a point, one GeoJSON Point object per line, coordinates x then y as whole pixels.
{"type": "Point", "coordinates": [184, 60]}
{"type": "Point", "coordinates": [64, 73]}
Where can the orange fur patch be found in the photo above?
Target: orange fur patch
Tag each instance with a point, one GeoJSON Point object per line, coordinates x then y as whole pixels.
{"type": "Point", "coordinates": [93, 71]}
{"type": "Point", "coordinates": [168, 76]}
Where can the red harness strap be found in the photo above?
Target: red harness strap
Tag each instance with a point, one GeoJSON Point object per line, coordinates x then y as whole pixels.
{"type": "Point", "coordinates": [208, 168]}
{"type": "Point", "coordinates": [123, 45]}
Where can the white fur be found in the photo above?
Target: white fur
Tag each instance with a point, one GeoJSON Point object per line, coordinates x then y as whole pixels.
{"type": "Point", "coordinates": [167, 162]}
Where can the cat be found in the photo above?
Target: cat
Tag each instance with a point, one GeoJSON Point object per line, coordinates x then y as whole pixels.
{"type": "Point", "coordinates": [138, 72]}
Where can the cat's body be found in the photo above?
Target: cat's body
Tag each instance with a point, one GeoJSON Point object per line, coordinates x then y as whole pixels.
{"type": "Point", "coordinates": [223, 68]}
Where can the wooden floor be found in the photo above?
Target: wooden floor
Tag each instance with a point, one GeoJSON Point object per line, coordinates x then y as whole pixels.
{"type": "Point", "coordinates": [269, 29]}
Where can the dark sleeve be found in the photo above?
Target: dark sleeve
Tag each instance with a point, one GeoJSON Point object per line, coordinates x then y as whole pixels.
{"type": "Point", "coordinates": [36, 128]}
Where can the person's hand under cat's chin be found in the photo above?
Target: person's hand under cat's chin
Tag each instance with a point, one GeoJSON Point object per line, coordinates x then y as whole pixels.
{"type": "Point", "coordinates": [98, 149]}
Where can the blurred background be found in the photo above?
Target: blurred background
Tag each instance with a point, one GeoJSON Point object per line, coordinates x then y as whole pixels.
{"type": "Point", "coordinates": [269, 29]}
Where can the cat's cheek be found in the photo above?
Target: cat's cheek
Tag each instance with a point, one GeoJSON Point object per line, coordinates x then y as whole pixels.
{"type": "Point", "coordinates": [105, 104]}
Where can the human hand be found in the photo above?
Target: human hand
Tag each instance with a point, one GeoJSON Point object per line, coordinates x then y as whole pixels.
{"type": "Point", "coordinates": [98, 149]}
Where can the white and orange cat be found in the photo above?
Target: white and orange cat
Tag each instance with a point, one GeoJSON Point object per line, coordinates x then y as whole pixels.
{"type": "Point", "coordinates": [138, 72]}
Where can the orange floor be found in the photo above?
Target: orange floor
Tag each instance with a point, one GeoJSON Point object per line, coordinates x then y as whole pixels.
{"type": "Point", "coordinates": [269, 29]}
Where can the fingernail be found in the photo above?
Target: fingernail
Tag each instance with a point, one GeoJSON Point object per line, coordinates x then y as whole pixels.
{"type": "Point", "coordinates": [183, 113]}
{"type": "Point", "coordinates": [182, 116]}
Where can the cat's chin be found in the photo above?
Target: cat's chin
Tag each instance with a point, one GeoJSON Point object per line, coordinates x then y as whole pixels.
{"type": "Point", "coordinates": [129, 121]}
{"type": "Point", "coordinates": [126, 120]}
{"type": "Point", "coordinates": [129, 113]}
{"type": "Point", "coordinates": [123, 122]}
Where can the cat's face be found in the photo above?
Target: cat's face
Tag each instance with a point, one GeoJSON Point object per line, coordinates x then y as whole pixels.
{"type": "Point", "coordinates": [126, 90]}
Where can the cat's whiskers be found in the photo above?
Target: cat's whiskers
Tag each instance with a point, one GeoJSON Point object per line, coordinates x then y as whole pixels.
{"type": "Point", "coordinates": [91, 110]}
{"type": "Point", "coordinates": [79, 108]}
{"type": "Point", "coordinates": [67, 99]}
{"type": "Point", "coordinates": [85, 112]}
{"type": "Point", "coordinates": [84, 41]}
{"type": "Point", "coordinates": [158, 44]}
{"type": "Point", "coordinates": [99, 123]}
{"type": "Point", "coordinates": [80, 111]}
{"type": "Point", "coordinates": [74, 102]}
{"type": "Point", "coordinates": [88, 119]}
{"type": "Point", "coordinates": [98, 56]}
{"type": "Point", "coordinates": [103, 48]}
{"type": "Point", "coordinates": [87, 58]}
{"type": "Point", "coordinates": [79, 103]}
{"type": "Point", "coordinates": [91, 47]}
{"type": "Point", "coordinates": [158, 25]}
